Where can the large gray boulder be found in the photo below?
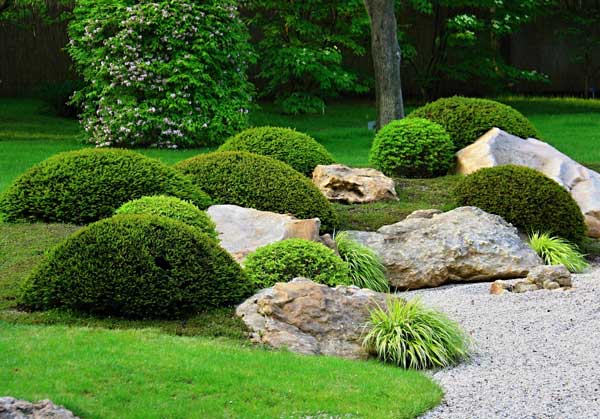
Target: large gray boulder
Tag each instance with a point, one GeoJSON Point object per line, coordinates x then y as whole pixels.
{"type": "Point", "coordinates": [465, 244]}
{"type": "Point", "coordinates": [497, 148]}
{"type": "Point", "coordinates": [243, 230]}
{"type": "Point", "coordinates": [348, 185]}
{"type": "Point", "coordinates": [311, 318]}
{"type": "Point", "coordinates": [11, 408]}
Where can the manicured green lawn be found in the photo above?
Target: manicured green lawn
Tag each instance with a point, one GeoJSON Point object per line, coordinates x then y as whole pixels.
{"type": "Point", "coordinates": [28, 136]}
{"type": "Point", "coordinates": [101, 373]}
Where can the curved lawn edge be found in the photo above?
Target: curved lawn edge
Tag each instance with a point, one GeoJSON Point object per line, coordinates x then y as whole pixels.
{"type": "Point", "coordinates": [100, 373]}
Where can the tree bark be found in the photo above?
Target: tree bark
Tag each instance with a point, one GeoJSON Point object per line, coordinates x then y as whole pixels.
{"type": "Point", "coordinates": [386, 61]}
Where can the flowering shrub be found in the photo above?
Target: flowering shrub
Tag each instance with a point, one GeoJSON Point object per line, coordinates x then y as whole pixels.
{"type": "Point", "coordinates": [162, 73]}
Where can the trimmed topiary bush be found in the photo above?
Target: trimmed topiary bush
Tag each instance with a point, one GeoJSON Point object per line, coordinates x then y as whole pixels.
{"type": "Point", "coordinates": [524, 197]}
{"type": "Point", "coordinates": [467, 119]}
{"type": "Point", "coordinates": [250, 180]}
{"type": "Point", "coordinates": [171, 207]}
{"type": "Point", "coordinates": [297, 149]}
{"type": "Point", "coordinates": [161, 73]}
{"type": "Point", "coordinates": [87, 185]}
{"type": "Point", "coordinates": [411, 335]}
{"type": "Point", "coordinates": [288, 259]}
{"type": "Point", "coordinates": [412, 148]}
{"type": "Point", "coordinates": [137, 266]}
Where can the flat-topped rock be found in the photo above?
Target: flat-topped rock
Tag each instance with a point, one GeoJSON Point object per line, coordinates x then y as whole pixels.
{"type": "Point", "coordinates": [348, 185]}
{"type": "Point", "coordinates": [243, 230]}
{"type": "Point", "coordinates": [465, 244]}
{"type": "Point", "coordinates": [497, 148]}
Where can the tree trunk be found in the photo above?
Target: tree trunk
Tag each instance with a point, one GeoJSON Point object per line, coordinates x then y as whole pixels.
{"type": "Point", "coordinates": [386, 61]}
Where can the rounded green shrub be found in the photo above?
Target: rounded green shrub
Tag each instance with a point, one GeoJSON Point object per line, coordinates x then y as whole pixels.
{"type": "Point", "coordinates": [524, 197]}
{"type": "Point", "coordinates": [297, 149]}
{"type": "Point", "coordinates": [467, 119]}
{"type": "Point", "coordinates": [87, 185]}
{"type": "Point", "coordinates": [137, 266]}
{"type": "Point", "coordinates": [171, 207]}
{"type": "Point", "coordinates": [260, 182]}
{"type": "Point", "coordinates": [288, 259]}
{"type": "Point", "coordinates": [413, 148]}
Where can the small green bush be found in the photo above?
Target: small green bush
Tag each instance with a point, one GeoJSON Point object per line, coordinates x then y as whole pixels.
{"type": "Point", "coordinates": [171, 207]}
{"type": "Point", "coordinates": [467, 119]}
{"type": "Point", "coordinates": [558, 251]}
{"type": "Point", "coordinates": [410, 335]}
{"type": "Point", "coordinates": [298, 150]}
{"type": "Point", "coordinates": [524, 197]}
{"type": "Point", "coordinates": [412, 148]}
{"type": "Point", "coordinates": [137, 266]}
{"type": "Point", "coordinates": [86, 185]}
{"type": "Point", "coordinates": [250, 180]}
{"type": "Point", "coordinates": [292, 258]}
{"type": "Point", "coordinates": [365, 266]}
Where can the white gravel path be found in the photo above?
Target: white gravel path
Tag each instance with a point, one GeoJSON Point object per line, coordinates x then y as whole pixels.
{"type": "Point", "coordinates": [536, 355]}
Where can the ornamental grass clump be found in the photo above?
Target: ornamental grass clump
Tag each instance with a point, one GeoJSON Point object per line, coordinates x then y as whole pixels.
{"type": "Point", "coordinates": [558, 251]}
{"type": "Point", "coordinates": [365, 267]}
{"type": "Point", "coordinates": [411, 335]}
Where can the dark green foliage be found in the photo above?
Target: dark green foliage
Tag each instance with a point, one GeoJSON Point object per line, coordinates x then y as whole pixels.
{"type": "Point", "coordinates": [57, 97]}
{"type": "Point", "coordinates": [301, 46]}
{"type": "Point", "coordinates": [139, 266]}
{"type": "Point", "coordinates": [412, 148]}
{"type": "Point", "coordinates": [171, 207]}
{"type": "Point", "coordinates": [524, 197]}
{"type": "Point", "coordinates": [86, 185]}
{"type": "Point", "coordinates": [297, 149]}
{"type": "Point", "coordinates": [254, 181]}
{"type": "Point", "coordinates": [292, 258]}
{"type": "Point", "coordinates": [467, 119]}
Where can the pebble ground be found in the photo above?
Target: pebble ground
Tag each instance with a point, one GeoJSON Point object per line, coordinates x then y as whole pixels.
{"type": "Point", "coordinates": [536, 355]}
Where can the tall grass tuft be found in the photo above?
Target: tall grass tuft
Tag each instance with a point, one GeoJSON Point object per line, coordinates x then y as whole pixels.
{"type": "Point", "coordinates": [366, 268]}
{"type": "Point", "coordinates": [411, 335]}
{"type": "Point", "coordinates": [558, 251]}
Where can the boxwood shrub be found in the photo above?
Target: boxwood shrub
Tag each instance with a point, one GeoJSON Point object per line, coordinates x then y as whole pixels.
{"type": "Point", "coordinates": [524, 197]}
{"type": "Point", "coordinates": [137, 266]}
{"type": "Point", "coordinates": [467, 119]}
{"type": "Point", "coordinates": [254, 181]}
{"type": "Point", "coordinates": [87, 185]}
{"type": "Point", "coordinates": [288, 259]}
{"type": "Point", "coordinates": [171, 207]}
{"type": "Point", "coordinates": [297, 149]}
{"type": "Point", "coordinates": [413, 148]}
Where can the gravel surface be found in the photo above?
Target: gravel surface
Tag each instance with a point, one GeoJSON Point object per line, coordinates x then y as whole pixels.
{"type": "Point", "coordinates": [536, 355]}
